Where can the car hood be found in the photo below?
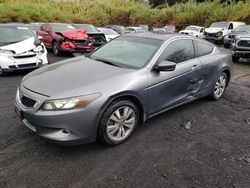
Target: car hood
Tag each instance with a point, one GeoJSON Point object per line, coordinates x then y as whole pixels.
{"type": "Point", "coordinates": [74, 34]}
{"type": "Point", "coordinates": [244, 36]}
{"type": "Point", "coordinates": [22, 46]}
{"type": "Point", "coordinates": [236, 32]}
{"type": "Point", "coordinates": [67, 78]}
{"type": "Point", "coordinates": [214, 29]}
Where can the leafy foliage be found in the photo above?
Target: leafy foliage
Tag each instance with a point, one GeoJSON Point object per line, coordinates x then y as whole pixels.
{"type": "Point", "coordinates": [101, 12]}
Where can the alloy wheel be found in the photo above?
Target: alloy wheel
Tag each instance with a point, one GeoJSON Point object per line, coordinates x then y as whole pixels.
{"type": "Point", "coordinates": [220, 86]}
{"type": "Point", "coordinates": [121, 123]}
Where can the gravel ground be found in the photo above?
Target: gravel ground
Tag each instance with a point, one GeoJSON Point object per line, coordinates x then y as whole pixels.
{"type": "Point", "coordinates": [214, 152]}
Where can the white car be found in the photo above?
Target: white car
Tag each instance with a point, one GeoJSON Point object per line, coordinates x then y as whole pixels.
{"type": "Point", "coordinates": [218, 30]}
{"type": "Point", "coordinates": [193, 30]}
{"type": "Point", "coordinates": [20, 49]}
{"type": "Point", "coordinates": [109, 33]}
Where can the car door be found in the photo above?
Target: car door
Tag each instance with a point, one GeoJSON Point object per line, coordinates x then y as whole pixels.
{"type": "Point", "coordinates": [208, 63]}
{"type": "Point", "coordinates": [170, 88]}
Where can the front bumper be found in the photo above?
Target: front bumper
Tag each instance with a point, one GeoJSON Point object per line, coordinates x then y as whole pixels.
{"type": "Point", "coordinates": [66, 127]}
{"type": "Point", "coordinates": [241, 53]}
{"type": "Point", "coordinates": [77, 49]}
{"type": "Point", "coordinates": [10, 64]}
{"type": "Point", "coordinates": [213, 39]}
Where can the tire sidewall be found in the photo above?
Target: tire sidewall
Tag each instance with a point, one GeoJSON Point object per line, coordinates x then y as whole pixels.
{"type": "Point", "coordinates": [58, 50]}
{"type": "Point", "coordinates": [102, 129]}
{"type": "Point", "coordinates": [213, 94]}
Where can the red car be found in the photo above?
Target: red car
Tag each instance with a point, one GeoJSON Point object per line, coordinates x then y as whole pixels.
{"type": "Point", "coordinates": [64, 38]}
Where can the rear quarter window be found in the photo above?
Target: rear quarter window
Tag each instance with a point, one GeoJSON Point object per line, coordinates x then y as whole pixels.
{"type": "Point", "coordinates": [203, 48]}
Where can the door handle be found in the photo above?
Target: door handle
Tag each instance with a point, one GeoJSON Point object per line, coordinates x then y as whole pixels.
{"type": "Point", "coordinates": [194, 66]}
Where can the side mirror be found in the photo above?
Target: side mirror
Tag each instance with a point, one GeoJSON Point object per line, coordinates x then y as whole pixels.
{"type": "Point", "coordinates": [165, 66]}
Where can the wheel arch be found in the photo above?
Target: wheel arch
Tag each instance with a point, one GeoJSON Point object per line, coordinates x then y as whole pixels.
{"type": "Point", "coordinates": [125, 96]}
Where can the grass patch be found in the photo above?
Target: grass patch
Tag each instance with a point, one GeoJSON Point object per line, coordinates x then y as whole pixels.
{"type": "Point", "coordinates": [101, 12]}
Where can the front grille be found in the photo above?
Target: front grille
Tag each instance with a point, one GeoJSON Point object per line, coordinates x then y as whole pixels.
{"type": "Point", "coordinates": [210, 34]}
{"type": "Point", "coordinates": [231, 36]}
{"type": "Point", "coordinates": [27, 65]}
{"type": "Point", "coordinates": [12, 67]}
{"type": "Point", "coordinates": [24, 56]}
{"type": "Point", "coordinates": [26, 101]}
{"type": "Point", "coordinates": [244, 43]}
{"type": "Point", "coordinates": [80, 42]}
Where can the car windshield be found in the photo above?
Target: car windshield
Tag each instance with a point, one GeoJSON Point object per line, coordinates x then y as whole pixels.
{"type": "Point", "coordinates": [169, 28]}
{"type": "Point", "coordinates": [192, 28]}
{"type": "Point", "coordinates": [109, 32]}
{"type": "Point", "coordinates": [127, 51]}
{"type": "Point", "coordinates": [62, 28]}
{"type": "Point", "coordinates": [87, 27]}
{"type": "Point", "coordinates": [220, 24]}
{"type": "Point", "coordinates": [242, 28]}
{"type": "Point", "coordinates": [13, 34]}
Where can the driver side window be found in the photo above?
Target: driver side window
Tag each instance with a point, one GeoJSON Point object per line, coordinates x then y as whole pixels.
{"type": "Point", "coordinates": [178, 51]}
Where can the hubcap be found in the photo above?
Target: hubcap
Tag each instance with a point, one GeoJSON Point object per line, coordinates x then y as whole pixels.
{"type": "Point", "coordinates": [220, 86]}
{"type": "Point", "coordinates": [121, 123]}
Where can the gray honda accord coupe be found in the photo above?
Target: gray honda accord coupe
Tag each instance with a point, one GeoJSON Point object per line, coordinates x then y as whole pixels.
{"type": "Point", "coordinates": [120, 85]}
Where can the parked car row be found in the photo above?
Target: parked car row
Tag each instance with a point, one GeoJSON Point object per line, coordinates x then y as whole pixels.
{"type": "Point", "coordinates": [84, 38]}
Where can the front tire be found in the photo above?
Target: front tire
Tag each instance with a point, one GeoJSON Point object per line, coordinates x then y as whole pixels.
{"type": "Point", "coordinates": [118, 122]}
{"type": "Point", "coordinates": [2, 73]}
{"type": "Point", "coordinates": [219, 86]}
{"type": "Point", "coordinates": [56, 48]}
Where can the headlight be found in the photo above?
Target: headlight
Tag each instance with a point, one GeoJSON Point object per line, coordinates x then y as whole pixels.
{"type": "Point", "coordinates": [220, 33]}
{"type": "Point", "coordinates": [6, 52]}
{"type": "Point", "coordinates": [38, 49]}
{"type": "Point", "coordinates": [69, 103]}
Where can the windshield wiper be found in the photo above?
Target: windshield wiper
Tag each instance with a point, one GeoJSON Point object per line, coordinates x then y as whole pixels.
{"type": "Point", "coordinates": [107, 62]}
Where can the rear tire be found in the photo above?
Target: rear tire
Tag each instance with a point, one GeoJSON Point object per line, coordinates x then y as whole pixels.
{"type": "Point", "coordinates": [118, 122]}
{"type": "Point", "coordinates": [219, 86]}
{"type": "Point", "coordinates": [56, 48]}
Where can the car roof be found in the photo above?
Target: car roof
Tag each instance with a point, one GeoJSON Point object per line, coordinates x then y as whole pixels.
{"type": "Point", "coordinates": [157, 35]}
